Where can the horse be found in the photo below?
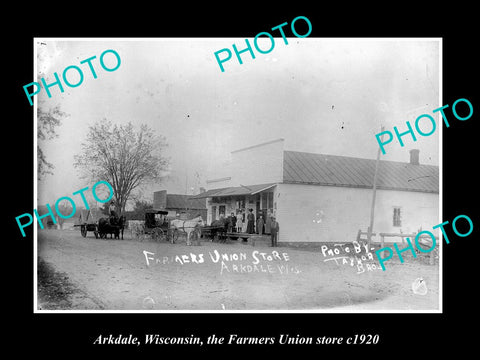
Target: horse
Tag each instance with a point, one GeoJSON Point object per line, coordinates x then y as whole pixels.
{"type": "Point", "coordinates": [113, 225]}
{"type": "Point", "coordinates": [187, 226]}
{"type": "Point", "coordinates": [105, 227]}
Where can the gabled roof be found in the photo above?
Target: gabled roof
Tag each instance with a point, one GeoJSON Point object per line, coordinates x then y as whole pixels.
{"type": "Point", "coordinates": [333, 170]}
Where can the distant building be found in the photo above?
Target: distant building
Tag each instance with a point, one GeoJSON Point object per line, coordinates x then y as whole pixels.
{"type": "Point", "coordinates": [179, 206]}
{"type": "Point", "coordinates": [325, 198]}
{"type": "Point", "coordinates": [59, 223]}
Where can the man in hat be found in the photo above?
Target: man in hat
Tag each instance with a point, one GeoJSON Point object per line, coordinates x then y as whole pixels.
{"type": "Point", "coordinates": [250, 222]}
{"type": "Point", "coordinates": [274, 229]}
{"type": "Point", "coordinates": [111, 209]}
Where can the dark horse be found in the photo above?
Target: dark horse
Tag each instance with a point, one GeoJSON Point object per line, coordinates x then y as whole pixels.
{"type": "Point", "coordinates": [113, 225]}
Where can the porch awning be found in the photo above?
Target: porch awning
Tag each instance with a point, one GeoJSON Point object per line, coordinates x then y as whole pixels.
{"type": "Point", "coordinates": [235, 191]}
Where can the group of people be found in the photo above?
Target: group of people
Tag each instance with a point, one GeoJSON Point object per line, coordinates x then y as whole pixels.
{"type": "Point", "coordinates": [242, 222]}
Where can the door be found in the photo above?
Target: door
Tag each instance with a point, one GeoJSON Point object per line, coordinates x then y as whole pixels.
{"type": "Point", "coordinates": [221, 210]}
{"type": "Point", "coordinates": [258, 213]}
{"type": "Point", "coordinates": [214, 213]}
{"type": "Point", "coordinates": [257, 207]}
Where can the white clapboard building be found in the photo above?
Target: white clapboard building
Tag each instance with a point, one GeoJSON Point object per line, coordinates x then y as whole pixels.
{"type": "Point", "coordinates": [325, 198]}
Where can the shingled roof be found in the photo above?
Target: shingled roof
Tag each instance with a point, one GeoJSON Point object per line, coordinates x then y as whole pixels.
{"type": "Point", "coordinates": [333, 170]}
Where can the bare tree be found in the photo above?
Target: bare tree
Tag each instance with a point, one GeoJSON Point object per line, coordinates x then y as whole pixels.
{"type": "Point", "coordinates": [47, 122]}
{"type": "Point", "coordinates": [124, 157]}
{"type": "Point", "coordinates": [139, 208]}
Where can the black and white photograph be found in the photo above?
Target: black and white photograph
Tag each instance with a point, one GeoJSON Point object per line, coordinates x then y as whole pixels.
{"type": "Point", "coordinates": [271, 175]}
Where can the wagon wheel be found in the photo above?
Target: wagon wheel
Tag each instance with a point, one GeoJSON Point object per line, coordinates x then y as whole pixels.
{"type": "Point", "coordinates": [145, 234]}
{"type": "Point", "coordinates": [136, 233]}
{"type": "Point", "coordinates": [163, 234]}
{"type": "Point", "coordinates": [83, 230]}
{"type": "Point", "coordinates": [169, 235]}
{"type": "Point", "coordinates": [153, 234]}
{"type": "Point", "coordinates": [175, 235]}
{"type": "Point", "coordinates": [157, 234]}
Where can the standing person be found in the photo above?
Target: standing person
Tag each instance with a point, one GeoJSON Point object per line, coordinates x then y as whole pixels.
{"type": "Point", "coordinates": [260, 223]}
{"type": "Point", "coordinates": [111, 209]}
{"type": "Point", "coordinates": [250, 222]}
{"type": "Point", "coordinates": [239, 221]}
{"type": "Point", "coordinates": [274, 229]}
{"type": "Point", "coordinates": [268, 222]}
{"type": "Point", "coordinates": [233, 222]}
{"type": "Point", "coordinates": [244, 220]}
{"type": "Point", "coordinates": [229, 223]}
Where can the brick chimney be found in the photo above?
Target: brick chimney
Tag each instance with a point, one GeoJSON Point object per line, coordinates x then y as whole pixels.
{"type": "Point", "coordinates": [414, 157]}
{"type": "Point", "coordinates": [160, 199]}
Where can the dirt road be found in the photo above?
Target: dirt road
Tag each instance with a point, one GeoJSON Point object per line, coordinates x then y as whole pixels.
{"type": "Point", "coordinates": [133, 275]}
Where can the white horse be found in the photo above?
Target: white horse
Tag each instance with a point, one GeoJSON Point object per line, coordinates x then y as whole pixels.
{"type": "Point", "coordinates": [187, 226]}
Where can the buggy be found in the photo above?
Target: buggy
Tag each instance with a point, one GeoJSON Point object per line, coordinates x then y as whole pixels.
{"type": "Point", "coordinates": [156, 225]}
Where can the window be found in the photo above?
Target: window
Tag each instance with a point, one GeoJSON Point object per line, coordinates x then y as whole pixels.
{"type": "Point", "coordinates": [397, 219]}
{"type": "Point", "coordinates": [240, 204]}
{"type": "Point", "coordinates": [221, 210]}
{"type": "Point", "coordinates": [270, 200]}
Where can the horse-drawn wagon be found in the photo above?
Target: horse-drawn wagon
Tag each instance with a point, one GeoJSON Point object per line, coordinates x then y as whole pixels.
{"type": "Point", "coordinates": [88, 221]}
{"type": "Point", "coordinates": [213, 232]}
{"type": "Point", "coordinates": [219, 231]}
{"type": "Point", "coordinates": [156, 226]}
{"type": "Point", "coordinates": [100, 224]}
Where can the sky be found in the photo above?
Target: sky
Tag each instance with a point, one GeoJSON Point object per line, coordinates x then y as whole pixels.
{"type": "Point", "coordinates": [321, 95]}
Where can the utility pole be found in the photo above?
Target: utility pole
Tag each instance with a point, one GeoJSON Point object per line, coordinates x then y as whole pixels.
{"type": "Point", "coordinates": [374, 195]}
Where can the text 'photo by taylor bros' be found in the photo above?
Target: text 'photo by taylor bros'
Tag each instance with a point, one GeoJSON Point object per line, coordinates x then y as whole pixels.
{"type": "Point", "coordinates": [357, 255]}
